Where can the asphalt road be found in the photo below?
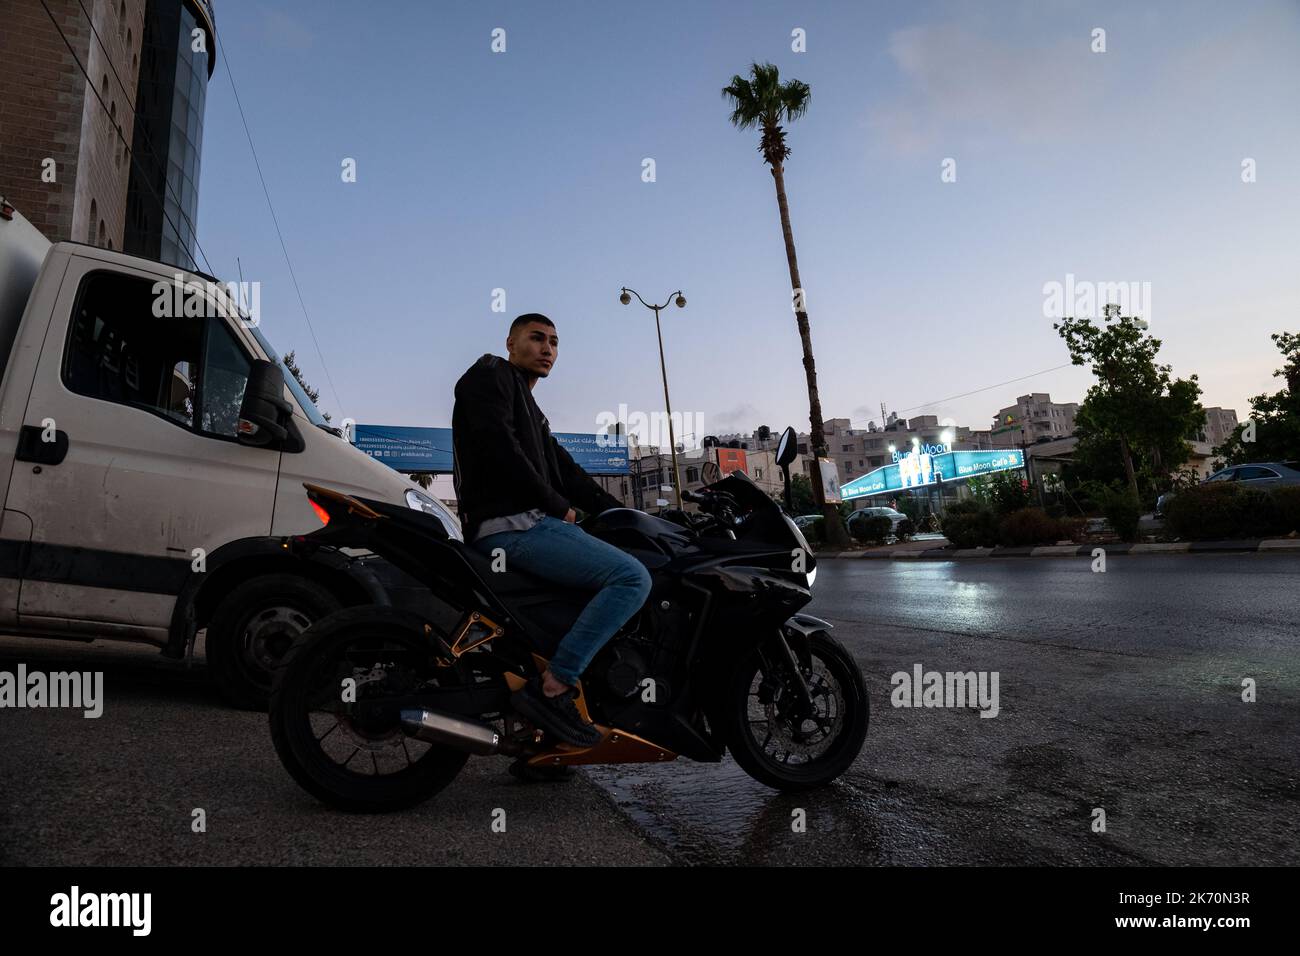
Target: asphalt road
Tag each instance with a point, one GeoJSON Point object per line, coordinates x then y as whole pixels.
{"type": "Point", "coordinates": [122, 788]}
{"type": "Point", "coordinates": [1119, 691]}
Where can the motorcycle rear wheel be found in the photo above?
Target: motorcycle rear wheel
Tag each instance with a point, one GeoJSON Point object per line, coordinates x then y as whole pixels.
{"type": "Point", "coordinates": [788, 753]}
{"type": "Point", "coordinates": [333, 749]}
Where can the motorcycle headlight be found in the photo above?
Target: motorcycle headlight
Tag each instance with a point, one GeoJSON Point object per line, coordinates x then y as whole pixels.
{"type": "Point", "coordinates": [812, 576]}
{"type": "Point", "coordinates": [422, 502]}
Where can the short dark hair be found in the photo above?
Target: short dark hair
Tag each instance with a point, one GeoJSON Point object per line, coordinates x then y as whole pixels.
{"type": "Point", "coordinates": [528, 318]}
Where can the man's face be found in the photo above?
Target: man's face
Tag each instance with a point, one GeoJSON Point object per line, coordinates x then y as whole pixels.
{"type": "Point", "coordinates": [534, 348]}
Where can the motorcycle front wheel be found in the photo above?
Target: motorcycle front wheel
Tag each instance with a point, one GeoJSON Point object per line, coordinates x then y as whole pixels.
{"type": "Point", "coordinates": [768, 736]}
{"type": "Point", "coordinates": [329, 721]}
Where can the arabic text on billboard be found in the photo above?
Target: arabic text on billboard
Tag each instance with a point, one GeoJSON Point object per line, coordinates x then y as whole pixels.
{"type": "Point", "coordinates": [410, 449]}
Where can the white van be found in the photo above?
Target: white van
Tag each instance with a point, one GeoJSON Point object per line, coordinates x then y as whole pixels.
{"type": "Point", "coordinates": [150, 468]}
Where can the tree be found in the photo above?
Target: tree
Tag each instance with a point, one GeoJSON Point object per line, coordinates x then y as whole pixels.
{"type": "Point", "coordinates": [764, 101]}
{"type": "Point", "coordinates": [1275, 418]}
{"type": "Point", "coordinates": [1135, 407]}
{"type": "Point", "coordinates": [312, 393]}
{"type": "Point", "coordinates": [801, 496]}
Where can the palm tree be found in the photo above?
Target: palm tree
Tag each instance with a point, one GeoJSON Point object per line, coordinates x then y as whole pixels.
{"type": "Point", "coordinates": [764, 101]}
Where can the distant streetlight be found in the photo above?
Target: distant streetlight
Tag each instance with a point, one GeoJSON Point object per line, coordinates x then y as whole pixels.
{"type": "Point", "coordinates": [680, 302]}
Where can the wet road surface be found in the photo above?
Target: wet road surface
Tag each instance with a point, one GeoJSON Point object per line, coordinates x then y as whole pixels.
{"type": "Point", "coordinates": [1120, 691]}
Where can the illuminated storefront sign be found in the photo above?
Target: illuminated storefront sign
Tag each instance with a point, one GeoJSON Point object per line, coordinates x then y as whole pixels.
{"type": "Point", "coordinates": [919, 469]}
{"type": "Point", "coordinates": [923, 448]}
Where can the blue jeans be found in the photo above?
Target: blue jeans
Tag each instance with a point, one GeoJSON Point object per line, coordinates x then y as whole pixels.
{"type": "Point", "coordinates": [564, 554]}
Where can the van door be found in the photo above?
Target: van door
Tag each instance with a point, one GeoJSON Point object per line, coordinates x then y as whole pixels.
{"type": "Point", "coordinates": [153, 477]}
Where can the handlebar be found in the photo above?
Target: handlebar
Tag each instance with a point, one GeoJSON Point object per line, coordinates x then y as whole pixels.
{"type": "Point", "coordinates": [715, 504]}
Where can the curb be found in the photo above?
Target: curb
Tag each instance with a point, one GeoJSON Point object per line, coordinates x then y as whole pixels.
{"type": "Point", "coordinates": [1282, 545]}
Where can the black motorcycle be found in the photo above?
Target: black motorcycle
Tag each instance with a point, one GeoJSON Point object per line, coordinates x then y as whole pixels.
{"type": "Point", "coordinates": [376, 708]}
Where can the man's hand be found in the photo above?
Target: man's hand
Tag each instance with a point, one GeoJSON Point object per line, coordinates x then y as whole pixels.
{"type": "Point", "coordinates": [571, 516]}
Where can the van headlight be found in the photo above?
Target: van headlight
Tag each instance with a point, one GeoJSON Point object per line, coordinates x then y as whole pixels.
{"type": "Point", "coordinates": [422, 502]}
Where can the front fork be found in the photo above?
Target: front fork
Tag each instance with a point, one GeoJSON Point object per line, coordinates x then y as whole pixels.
{"type": "Point", "coordinates": [789, 650]}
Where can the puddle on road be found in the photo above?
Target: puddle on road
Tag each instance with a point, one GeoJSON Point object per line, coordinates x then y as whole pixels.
{"type": "Point", "coordinates": [716, 814]}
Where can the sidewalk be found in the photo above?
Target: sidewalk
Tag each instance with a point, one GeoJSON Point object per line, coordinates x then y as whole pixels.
{"type": "Point", "coordinates": [936, 548]}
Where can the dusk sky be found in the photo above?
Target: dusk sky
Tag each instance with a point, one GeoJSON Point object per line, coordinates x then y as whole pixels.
{"type": "Point", "coordinates": [522, 171]}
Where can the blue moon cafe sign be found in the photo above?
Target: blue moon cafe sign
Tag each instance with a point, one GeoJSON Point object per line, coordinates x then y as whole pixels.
{"type": "Point", "coordinates": [926, 465]}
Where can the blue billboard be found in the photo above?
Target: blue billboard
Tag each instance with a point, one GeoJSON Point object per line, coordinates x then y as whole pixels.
{"type": "Point", "coordinates": [596, 454]}
{"type": "Point", "coordinates": [917, 469]}
{"type": "Point", "coordinates": [404, 448]}
{"type": "Point", "coordinates": [408, 449]}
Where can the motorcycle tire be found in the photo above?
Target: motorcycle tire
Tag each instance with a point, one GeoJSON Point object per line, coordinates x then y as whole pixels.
{"type": "Point", "coordinates": [753, 723]}
{"type": "Point", "coordinates": [309, 677]}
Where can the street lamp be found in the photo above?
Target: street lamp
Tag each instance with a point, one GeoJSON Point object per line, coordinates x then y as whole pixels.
{"type": "Point", "coordinates": [680, 302]}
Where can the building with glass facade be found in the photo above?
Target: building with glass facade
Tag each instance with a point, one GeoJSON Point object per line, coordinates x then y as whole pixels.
{"type": "Point", "coordinates": [177, 58]}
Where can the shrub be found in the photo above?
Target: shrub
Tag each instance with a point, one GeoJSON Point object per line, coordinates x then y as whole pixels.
{"type": "Point", "coordinates": [905, 529]}
{"type": "Point", "coordinates": [1008, 492]}
{"type": "Point", "coordinates": [1257, 513]}
{"type": "Point", "coordinates": [1223, 510]}
{"type": "Point", "coordinates": [813, 531]}
{"type": "Point", "coordinates": [1287, 502]}
{"type": "Point", "coordinates": [873, 529]}
{"type": "Point", "coordinates": [1028, 526]}
{"type": "Point", "coordinates": [1207, 511]}
{"type": "Point", "coordinates": [969, 524]}
{"type": "Point", "coordinates": [1070, 528]}
{"type": "Point", "coordinates": [1122, 509]}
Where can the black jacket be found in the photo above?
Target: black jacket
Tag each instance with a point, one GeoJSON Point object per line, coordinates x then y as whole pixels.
{"type": "Point", "coordinates": [505, 458]}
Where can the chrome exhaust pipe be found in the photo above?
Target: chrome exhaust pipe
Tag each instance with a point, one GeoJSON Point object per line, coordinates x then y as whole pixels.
{"type": "Point", "coordinates": [439, 728]}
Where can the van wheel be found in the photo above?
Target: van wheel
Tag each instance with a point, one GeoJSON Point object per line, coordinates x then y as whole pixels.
{"type": "Point", "coordinates": [253, 628]}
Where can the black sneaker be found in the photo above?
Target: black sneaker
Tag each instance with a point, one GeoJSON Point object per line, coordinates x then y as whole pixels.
{"type": "Point", "coordinates": [556, 715]}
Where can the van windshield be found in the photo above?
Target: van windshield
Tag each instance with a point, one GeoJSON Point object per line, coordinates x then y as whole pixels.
{"type": "Point", "coordinates": [308, 406]}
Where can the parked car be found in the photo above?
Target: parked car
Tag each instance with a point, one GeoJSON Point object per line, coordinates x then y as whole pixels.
{"type": "Point", "coordinates": [862, 514]}
{"type": "Point", "coordinates": [804, 521]}
{"type": "Point", "coordinates": [1257, 474]}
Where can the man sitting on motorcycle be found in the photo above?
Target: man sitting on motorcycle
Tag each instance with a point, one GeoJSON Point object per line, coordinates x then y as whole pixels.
{"type": "Point", "coordinates": [516, 487]}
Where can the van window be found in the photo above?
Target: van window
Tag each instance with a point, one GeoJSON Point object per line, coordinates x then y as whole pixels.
{"type": "Point", "coordinates": [226, 370]}
{"type": "Point", "coordinates": [188, 370]}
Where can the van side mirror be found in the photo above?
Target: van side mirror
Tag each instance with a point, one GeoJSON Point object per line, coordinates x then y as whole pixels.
{"type": "Point", "coordinates": [264, 415]}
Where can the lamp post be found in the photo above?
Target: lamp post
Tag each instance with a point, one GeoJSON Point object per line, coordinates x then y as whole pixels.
{"type": "Point", "coordinates": [680, 302]}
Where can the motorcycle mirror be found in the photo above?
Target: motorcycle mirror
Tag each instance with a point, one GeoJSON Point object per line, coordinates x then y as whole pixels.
{"type": "Point", "coordinates": [710, 472]}
{"type": "Point", "coordinates": [787, 449]}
